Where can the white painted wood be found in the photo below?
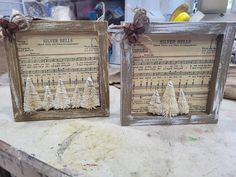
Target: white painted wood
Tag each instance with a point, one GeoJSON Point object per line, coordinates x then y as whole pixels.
{"type": "Point", "coordinates": [100, 147]}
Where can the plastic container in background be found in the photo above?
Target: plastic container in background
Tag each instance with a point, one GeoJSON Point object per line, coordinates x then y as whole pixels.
{"type": "Point", "coordinates": [168, 6]}
{"type": "Point", "coordinates": [35, 9]}
{"type": "Point", "coordinates": [152, 6]}
{"type": "Point", "coordinates": [52, 9]}
{"type": "Point", "coordinates": [62, 13]}
{"type": "Point", "coordinates": [63, 10]}
{"type": "Point", "coordinates": [213, 6]}
{"type": "Point", "coordinates": [115, 51]}
{"type": "Point", "coordinates": [6, 7]}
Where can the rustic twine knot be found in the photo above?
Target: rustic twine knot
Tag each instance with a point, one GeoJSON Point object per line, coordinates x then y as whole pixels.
{"type": "Point", "coordinates": [8, 28]}
{"type": "Point", "coordinates": [139, 25]}
{"type": "Point", "coordinates": [17, 22]}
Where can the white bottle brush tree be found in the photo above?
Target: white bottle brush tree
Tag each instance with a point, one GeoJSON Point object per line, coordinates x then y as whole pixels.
{"type": "Point", "coordinates": [32, 101]}
{"type": "Point", "coordinates": [62, 100]}
{"type": "Point", "coordinates": [169, 102]}
{"type": "Point", "coordinates": [182, 103]}
{"type": "Point", "coordinates": [155, 106]}
{"type": "Point", "coordinates": [76, 98]}
{"type": "Point", "coordinates": [90, 99]}
{"type": "Point", "coordinates": [48, 99]}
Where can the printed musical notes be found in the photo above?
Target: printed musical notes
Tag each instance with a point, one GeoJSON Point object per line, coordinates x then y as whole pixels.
{"type": "Point", "coordinates": [48, 58]}
{"type": "Point", "coordinates": [188, 63]}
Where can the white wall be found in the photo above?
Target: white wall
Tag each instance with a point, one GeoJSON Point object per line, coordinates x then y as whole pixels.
{"type": "Point", "coordinates": [157, 7]}
{"type": "Point", "coordinates": [6, 6]}
{"type": "Point", "coordinates": [152, 7]}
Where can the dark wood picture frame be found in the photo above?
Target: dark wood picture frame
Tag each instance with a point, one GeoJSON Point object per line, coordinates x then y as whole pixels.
{"type": "Point", "coordinates": [224, 31]}
{"type": "Point", "coordinates": [63, 27]}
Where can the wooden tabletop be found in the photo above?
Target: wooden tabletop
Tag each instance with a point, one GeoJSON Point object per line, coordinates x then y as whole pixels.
{"type": "Point", "coordinates": [100, 147]}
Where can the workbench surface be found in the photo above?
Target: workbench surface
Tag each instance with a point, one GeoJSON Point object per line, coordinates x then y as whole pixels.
{"type": "Point", "coordinates": [100, 147]}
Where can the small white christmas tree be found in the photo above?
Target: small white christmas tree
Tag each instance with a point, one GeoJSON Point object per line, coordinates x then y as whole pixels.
{"type": "Point", "coordinates": [32, 101]}
{"type": "Point", "coordinates": [89, 99]}
{"type": "Point", "coordinates": [76, 98]}
{"type": "Point", "coordinates": [182, 103]}
{"type": "Point", "coordinates": [155, 106]}
{"type": "Point", "coordinates": [62, 100]}
{"type": "Point", "coordinates": [48, 99]}
{"type": "Point", "coordinates": [169, 102]}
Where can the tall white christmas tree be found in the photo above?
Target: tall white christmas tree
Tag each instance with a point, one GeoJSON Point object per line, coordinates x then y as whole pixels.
{"type": "Point", "coordinates": [182, 103]}
{"type": "Point", "coordinates": [62, 100]}
{"type": "Point", "coordinates": [90, 99]}
{"type": "Point", "coordinates": [76, 98]}
{"type": "Point", "coordinates": [48, 99]}
{"type": "Point", "coordinates": [155, 106]}
{"type": "Point", "coordinates": [169, 102]}
{"type": "Point", "coordinates": [32, 101]}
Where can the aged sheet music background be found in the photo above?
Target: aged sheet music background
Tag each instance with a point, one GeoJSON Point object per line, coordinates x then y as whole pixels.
{"type": "Point", "coordinates": [187, 61]}
{"type": "Point", "coordinates": [47, 58]}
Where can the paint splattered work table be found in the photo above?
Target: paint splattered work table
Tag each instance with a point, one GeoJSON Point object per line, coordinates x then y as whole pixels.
{"type": "Point", "coordinates": [100, 147]}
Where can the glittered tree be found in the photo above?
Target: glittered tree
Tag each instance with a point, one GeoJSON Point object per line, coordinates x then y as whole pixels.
{"type": "Point", "coordinates": [76, 98]}
{"type": "Point", "coordinates": [62, 100]}
{"type": "Point", "coordinates": [169, 102]}
{"type": "Point", "coordinates": [90, 99]}
{"type": "Point", "coordinates": [48, 99]}
{"type": "Point", "coordinates": [32, 101]}
{"type": "Point", "coordinates": [155, 106]}
{"type": "Point", "coordinates": [182, 103]}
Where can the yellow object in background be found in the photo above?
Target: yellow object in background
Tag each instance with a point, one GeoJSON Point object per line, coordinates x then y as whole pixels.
{"type": "Point", "coordinates": [180, 14]}
{"type": "Point", "coordinates": [182, 17]}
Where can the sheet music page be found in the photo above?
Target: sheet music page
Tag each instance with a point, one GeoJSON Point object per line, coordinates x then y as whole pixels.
{"type": "Point", "coordinates": [48, 58]}
{"type": "Point", "coordinates": [186, 61]}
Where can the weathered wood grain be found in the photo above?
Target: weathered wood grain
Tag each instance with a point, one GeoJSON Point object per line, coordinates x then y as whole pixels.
{"type": "Point", "coordinates": [230, 86]}
{"type": "Point", "coordinates": [21, 164]}
{"type": "Point", "coordinates": [3, 60]}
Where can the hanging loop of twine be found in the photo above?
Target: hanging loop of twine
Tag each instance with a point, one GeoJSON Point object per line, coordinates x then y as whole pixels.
{"type": "Point", "coordinates": [103, 8]}
{"type": "Point", "coordinates": [131, 33]}
{"type": "Point", "coordinates": [21, 21]}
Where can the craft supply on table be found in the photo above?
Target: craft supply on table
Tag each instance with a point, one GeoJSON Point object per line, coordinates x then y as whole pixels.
{"type": "Point", "coordinates": [180, 14]}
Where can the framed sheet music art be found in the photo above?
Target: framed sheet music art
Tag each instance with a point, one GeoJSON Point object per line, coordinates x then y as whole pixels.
{"type": "Point", "coordinates": [175, 73]}
{"type": "Point", "coordinates": [57, 69]}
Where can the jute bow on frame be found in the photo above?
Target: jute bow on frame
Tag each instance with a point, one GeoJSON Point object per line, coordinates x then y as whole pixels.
{"type": "Point", "coordinates": [139, 25]}
{"type": "Point", "coordinates": [17, 22]}
{"type": "Point", "coordinates": [8, 28]}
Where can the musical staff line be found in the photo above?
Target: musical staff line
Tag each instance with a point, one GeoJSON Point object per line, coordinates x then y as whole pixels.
{"type": "Point", "coordinates": [176, 86]}
{"type": "Point", "coordinates": [52, 60]}
{"type": "Point", "coordinates": [69, 90]}
{"type": "Point", "coordinates": [58, 54]}
{"type": "Point", "coordinates": [58, 70]}
{"type": "Point", "coordinates": [181, 56]}
{"type": "Point", "coordinates": [186, 92]}
{"type": "Point", "coordinates": [175, 73]}
{"type": "Point", "coordinates": [170, 62]}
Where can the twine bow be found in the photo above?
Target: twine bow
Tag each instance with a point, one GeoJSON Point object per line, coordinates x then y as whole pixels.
{"type": "Point", "coordinates": [8, 28]}
{"type": "Point", "coordinates": [17, 22]}
{"type": "Point", "coordinates": [139, 25]}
